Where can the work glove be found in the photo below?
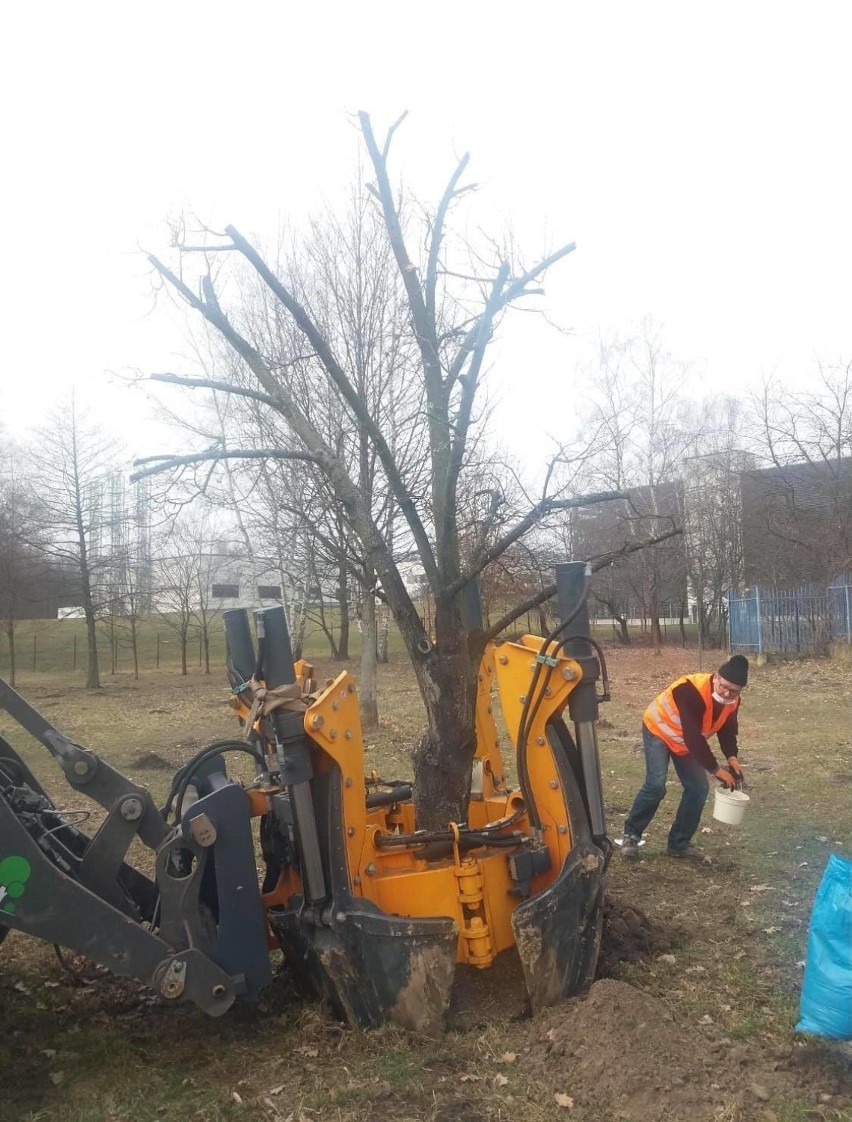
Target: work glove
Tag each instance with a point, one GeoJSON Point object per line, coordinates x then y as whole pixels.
{"type": "Point", "coordinates": [736, 770]}
{"type": "Point", "coordinates": [726, 777]}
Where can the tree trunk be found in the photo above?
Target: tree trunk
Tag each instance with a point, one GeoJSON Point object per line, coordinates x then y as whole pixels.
{"type": "Point", "coordinates": [343, 605]}
{"type": "Point", "coordinates": [654, 611]}
{"type": "Point", "coordinates": [205, 643]}
{"type": "Point", "coordinates": [444, 753]}
{"type": "Point", "coordinates": [184, 640]}
{"type": "Point", "coordinates": [623, 633]}
{"type": "Point", "coordinates": [367, 692]}
{"type": "Point", "coordinates": [298, 626]}
{"type": "Point", "coordinates": [134, 646]}
{"type": "Point", "coordinates": [93, 676]}
{"type": "Point", "coordinates": [384, 632]}
{"type": "Point", "coordinates": [12, 664]}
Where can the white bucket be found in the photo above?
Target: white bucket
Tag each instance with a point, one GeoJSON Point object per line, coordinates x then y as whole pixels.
{"type": "Point", "coordinates": [730, 806]}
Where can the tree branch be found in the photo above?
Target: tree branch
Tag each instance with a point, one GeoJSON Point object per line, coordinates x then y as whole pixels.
{"type": "Point", "coordinates": [214, 384]}
{"type": "Point", "coordinates": [599, 561]}
{"type": "Point", "coordinates": [338, 376]}
{"type": "Point", "coordinates": [391, 131]}
{"type": "Point", "coordinates": [468, 393]}
{"type": "Point", "coordinates": [515, 289]}
{"type": "Point", "coordinates": [541, 509]}
{"type": "Point", "coordinates": [166, 463]}
{"type": "Point", "coordinates": [423, 328]}
{"type": "Point", "coordinates": [376, 550]}
{"type": "Point", "coordinates": [438, 234]}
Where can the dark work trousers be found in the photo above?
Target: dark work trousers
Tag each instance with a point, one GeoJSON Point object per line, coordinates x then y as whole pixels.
{"type": "Point", "coordinates": [696, 787]}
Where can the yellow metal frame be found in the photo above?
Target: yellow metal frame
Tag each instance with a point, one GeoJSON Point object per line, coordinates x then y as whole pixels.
{"type": "Point", "coordinates": [475, 888]}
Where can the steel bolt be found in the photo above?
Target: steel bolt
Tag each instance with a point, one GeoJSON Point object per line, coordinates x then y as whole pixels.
{"type": "Point", "coordinates": [347, 782]}
{"type": "Point", "coordinates": [351, 687]}
{"type": "Point", "coordinates": [548, 692]}
{"type": "Point", "coordinates": [563, 829]}
{"type": "Point", "coordinates": [332, 734]}
{"type": "Point", "coordinates": [539, 740]}
{"type": "Point", "coordinates": [356, 880]}
{"type": "Point", "coordinates": [335, 705]}
{"type": "Point", "coordinates": [348, 734]}
{"type": "Point", "coordinates": [218, 990]}
{"type": "Point", "coordinates": [131, 809]}
{"type": "Point", "coordinates": [351, 832]}
{"type": "Point", "coordinates": [340, 917]}
{"type": "Point", "coordinates": [370, 870]}
{"type": "Point", "coordinates": [568, 674]}
{"type": "Point", "coordinates": [503, 660]}
{"type": "Point", "coordinates": [81, 767]}
{"type": "Point", "coordinates": [316, 722]}
{"type": "Point", "coordinates": [522, 698]}
{"type": "Point", "coordinates": [553, 785]}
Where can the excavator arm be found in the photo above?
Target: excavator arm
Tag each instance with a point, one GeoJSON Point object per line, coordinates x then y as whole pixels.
{"type": "Point", "coordinates": [369, 912]}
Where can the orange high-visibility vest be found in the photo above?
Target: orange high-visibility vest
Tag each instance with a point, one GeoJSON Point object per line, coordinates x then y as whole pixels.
{"type": "Point", "coordinates": [663, 717]}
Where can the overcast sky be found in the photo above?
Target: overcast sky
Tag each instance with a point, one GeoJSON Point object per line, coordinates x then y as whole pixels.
{"type": "Point", "coordinates": [698, 154]}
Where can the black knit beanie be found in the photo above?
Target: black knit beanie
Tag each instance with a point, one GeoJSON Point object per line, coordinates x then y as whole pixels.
{"type": "Point", "coordinates": [735, 670]}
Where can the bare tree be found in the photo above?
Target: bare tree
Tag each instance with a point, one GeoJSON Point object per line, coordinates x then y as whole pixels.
{"type": "Point", "coordinates": [713, 516]}
{"type": "Point", "coordinates": [179, 576]}
{"type": "Point", "coordinates": [72, 460]}
{"type": "Point", "coordinates": [344, 273]}
{"type": "Point", "coordinates": [23, 571]}
{"type": "Point", "coordinates": [453, 314]}
{"type": "Point", "coordinates": [799, 508]}
{"type": "Point", "coordinates": [643, 429]}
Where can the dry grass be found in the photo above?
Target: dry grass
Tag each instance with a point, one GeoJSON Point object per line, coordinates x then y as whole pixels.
{"type": "Point", "coordinates": [97, 1053]}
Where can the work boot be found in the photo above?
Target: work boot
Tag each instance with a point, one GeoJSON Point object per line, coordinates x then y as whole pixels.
{"type": "Point", "coordinates": [690, 853]}
{"type": "Point", "coordinates": [629, 846]}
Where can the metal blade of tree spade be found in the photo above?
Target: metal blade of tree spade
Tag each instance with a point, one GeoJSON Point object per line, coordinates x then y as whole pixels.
{"type": "Point", "coordinates": [558, 931]}
{"type": "Point", "coordinates": [372, 967]}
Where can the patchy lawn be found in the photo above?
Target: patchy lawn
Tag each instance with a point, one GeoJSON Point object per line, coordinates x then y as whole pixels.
{"type": "Point", "coordinates": [692, 1022]}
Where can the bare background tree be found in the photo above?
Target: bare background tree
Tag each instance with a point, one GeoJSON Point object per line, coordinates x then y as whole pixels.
{"type": "Point", "coordinates": [799, 516]}
{"type": "Point", "coordinates": [26, 576]}
{"type": "Point", "coordinates": [72, 460]}
{"type": "Point", "coordinates": [453, 310]}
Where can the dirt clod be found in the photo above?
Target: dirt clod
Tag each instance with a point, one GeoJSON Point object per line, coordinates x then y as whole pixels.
{"type": "Point", "coordinates": [630, 936]}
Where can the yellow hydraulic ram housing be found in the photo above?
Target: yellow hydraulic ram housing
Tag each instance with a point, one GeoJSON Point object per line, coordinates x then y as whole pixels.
{"type": "Point", "coordinates": [525, 869]}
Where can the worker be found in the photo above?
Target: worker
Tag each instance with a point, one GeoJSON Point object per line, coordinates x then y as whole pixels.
{"type": "Point", "coordinates": [676, 726]}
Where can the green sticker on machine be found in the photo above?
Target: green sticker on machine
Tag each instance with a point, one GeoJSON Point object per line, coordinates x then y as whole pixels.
{"type": "Point", "coordinates": [14, 874]}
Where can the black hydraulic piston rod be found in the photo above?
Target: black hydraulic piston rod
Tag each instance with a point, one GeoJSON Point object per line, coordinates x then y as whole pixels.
{"type": "Point", "coordinates": [571, 581]}
{"type": "Point", "coordinates": [294, 754]}
{"type": "Point", "coordinates": [242, 659]}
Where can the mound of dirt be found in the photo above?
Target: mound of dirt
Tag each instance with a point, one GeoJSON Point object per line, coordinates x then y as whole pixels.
{"type": "Point", "coordinates": [620, 1055]}
{"type": "Point", "coordinates": [630, 936]}
{"type": "Point", "coordinates": [150, 761]}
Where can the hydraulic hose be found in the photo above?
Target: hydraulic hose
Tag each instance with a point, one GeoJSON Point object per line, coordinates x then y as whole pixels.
{"type": "Point", "coordinates": [526, 719]}
{"type": "Point", "coordinates": [184, 777]}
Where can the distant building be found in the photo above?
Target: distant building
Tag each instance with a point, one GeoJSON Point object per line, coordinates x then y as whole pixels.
{"type": "Point", "coordinates": [797, 523]}
{"type": "Point", "coordinates": [238, 582]}
{"type": "Point", "coordinates": [70, 613]}
{"type": "Point", "coordinates": [644, 578]}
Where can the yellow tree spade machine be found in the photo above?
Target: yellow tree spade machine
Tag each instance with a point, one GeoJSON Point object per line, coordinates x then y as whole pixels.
{"type": "Point", "coordinates": [371, 913]}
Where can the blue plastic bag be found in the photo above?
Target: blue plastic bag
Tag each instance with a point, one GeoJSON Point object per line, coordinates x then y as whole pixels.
{"type": "Point", "coordinates": [826, 1005]}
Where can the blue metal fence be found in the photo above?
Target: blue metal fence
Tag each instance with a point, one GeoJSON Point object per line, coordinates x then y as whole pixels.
{"type": "Point", "coordinates": [802, 620]}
